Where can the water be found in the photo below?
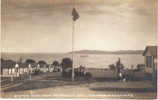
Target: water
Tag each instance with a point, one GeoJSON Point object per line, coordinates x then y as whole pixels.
{"type": "Point", "coordinates": [90, 60]}
{"type": "Point", "coordinates": [103, 61]}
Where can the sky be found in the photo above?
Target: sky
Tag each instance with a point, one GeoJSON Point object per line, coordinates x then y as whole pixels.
{"type": "Point", "coordinates": [46, 25]}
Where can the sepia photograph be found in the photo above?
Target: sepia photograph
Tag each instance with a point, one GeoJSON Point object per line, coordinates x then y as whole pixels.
{"type": "Point", "coordinates": [79, 49]}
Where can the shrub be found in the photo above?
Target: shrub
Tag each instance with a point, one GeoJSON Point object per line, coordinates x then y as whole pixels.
{"type": "Point", "coordinates": [140, 67]}
{"type": "Point", "coordinates": [8, 63]}
{"type": "Point", "coordinates": [66, 63]}
{"type": "Point", "coordinates": [56, 66]}
{"type": "Point", "coordinates": [67, 67]}
{"type": "Point", "coordinates": [88, 76]}
{"type": "Point", "coordinates": [55, 63]}
{"type": "Point", "coordinates": [112, 67]}
{"type": "Point", "coordinates": [30, 61]}
{"type": "Point", "coordinates": [37, 72]}
{"type": "Point", "coordinates": [42, 63]}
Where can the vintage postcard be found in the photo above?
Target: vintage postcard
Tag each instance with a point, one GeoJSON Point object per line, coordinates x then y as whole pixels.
{"type": "Point", "coordinates": [79, 49]}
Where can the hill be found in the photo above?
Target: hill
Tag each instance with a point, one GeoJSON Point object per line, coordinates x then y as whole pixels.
{"type": "Point", "coordinates": [108, 52]}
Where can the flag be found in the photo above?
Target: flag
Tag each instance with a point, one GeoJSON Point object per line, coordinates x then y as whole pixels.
{"type": "Point", "coordinates": [75, 14]}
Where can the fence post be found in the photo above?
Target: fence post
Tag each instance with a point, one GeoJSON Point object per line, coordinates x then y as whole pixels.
{"type": "Point", "coordinates": [12, 78]}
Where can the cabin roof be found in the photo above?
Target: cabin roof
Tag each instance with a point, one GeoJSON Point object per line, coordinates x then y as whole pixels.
{"type": "Point", "coordinates": [150, 51]}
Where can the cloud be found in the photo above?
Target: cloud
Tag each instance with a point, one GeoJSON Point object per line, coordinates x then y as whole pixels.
{"type": "Point", "coordinates": [49, 22]}
{"type": "Point", "coordinates": [140, 7]}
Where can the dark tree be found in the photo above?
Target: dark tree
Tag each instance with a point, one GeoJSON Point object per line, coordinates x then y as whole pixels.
{"type": "Point", "coordinates": [2, 61]}
{"type": "Point", "coordinates": [2, 64]}
{"type": "Point", "coordinates": [66, 63]}
{"type": "Point", "coordinates": [140, 67]}
{"type": "Point", "coordinates": [55, 63]}
{"type": "Point", "coordinates": [56, 66]}
{"type": "Point", "coordinates": [30, 61]}
{"type": "Point", "coordinates": [67, 67]}
{"type": "Point", "coordinates": [42, 63]}
{"type": "Point", "coordinates": [9, 63]}
{"type": "Point", "coordinates": [112, 67]}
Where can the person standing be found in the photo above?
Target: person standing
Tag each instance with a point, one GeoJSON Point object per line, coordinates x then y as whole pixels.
{"type": "Point", "coordinates": [17, 69]}
{"type": "Point", "coordinates": [30, 70]}
{"type": "Point", "coordinates": [118, 64]}
{"type": "Point", "coordinates": [118, 68]}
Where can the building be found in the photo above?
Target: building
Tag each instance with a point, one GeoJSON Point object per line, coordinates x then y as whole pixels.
{"type": "Point", "coordinates": [151, 61]}
{"type": "Point", "coordinates": [151, 58]}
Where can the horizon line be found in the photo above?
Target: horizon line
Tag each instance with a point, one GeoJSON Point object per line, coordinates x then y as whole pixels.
{"type": "Point", "coordinates": [77, 50]}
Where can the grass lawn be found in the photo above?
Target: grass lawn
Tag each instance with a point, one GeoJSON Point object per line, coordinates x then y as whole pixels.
{"type": "Point", "coordinates": [50, 85]}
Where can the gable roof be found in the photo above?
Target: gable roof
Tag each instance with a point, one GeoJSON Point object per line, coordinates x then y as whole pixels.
{"type": "Point", "coordinates": [150, 51]}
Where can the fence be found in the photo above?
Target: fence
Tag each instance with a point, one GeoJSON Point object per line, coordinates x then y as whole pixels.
{"type": "Point", "coordinates": [14, 71]}
{"type": "Point", "coordinates": [21, 71]}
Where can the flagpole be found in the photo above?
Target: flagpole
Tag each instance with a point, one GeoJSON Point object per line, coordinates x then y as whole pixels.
{"type": "Point", "coordinates": [75, 17]}
{"type": "Point", "coordinates": [73, 32]}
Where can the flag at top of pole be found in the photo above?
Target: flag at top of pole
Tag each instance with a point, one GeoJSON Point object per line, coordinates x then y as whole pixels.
{"type": "Point", "coordinates": [75, 14]}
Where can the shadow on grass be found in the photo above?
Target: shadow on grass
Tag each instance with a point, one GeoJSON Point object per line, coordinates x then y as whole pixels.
{"type": "Point", "coordinates": [140, 90]}
{"type": "Point", "coordinates": [105, 79]}
{"type": "Point", "coordinates": [47, 82]}
{"type": "Point", "coordinates": [56, 81]}
{"type": "Point", "coordinates": [116, 80]}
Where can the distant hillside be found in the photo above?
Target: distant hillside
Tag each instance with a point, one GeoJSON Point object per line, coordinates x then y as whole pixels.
{"type": "Point", "coordinates": [108, 52]}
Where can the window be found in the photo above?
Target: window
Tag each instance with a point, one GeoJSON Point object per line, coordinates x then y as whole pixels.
{"type": "Point", "coordinates": [155, 62]}
{"type": "Point", "coordinates": [149, 61]}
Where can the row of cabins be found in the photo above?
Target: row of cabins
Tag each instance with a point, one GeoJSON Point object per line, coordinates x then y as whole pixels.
{"type": "Point", "coordinates": [25, 69]}
{"type": "Point", "coordinates": [151, 62]}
